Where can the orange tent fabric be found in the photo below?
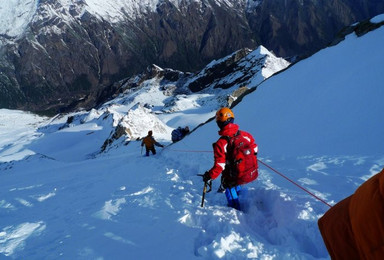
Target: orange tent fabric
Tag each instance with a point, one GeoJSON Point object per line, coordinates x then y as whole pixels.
{"type": "Point", "coordinates": [354, 227]}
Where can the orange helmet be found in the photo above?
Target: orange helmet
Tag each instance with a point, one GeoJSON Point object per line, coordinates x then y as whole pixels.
{"type": "Point", "coordinates": [223, 114]}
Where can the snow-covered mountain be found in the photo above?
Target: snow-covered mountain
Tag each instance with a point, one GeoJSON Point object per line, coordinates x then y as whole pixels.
{"type": "Point", "coordinates": [163, 99]}
{"type": "Point", "coordinates": [53, 53]}
{"type": "Point", "coordinates": [318, 122]}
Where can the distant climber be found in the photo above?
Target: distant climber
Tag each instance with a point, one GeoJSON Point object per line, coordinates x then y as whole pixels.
{"type": "Point", "coordinates": [150, 143]}
{"type": "Point", "coordinates": [354, 227]}
{"type": "Point", "coordinates": [179, 133]}
{"type": "Point", "coordinates": [235, 157]}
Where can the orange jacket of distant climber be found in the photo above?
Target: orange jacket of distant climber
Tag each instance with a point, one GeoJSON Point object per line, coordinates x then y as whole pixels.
{"type": "Point", "coordinates": [354, 227]}
{"type": "Point", "coordinates": [149, 142]}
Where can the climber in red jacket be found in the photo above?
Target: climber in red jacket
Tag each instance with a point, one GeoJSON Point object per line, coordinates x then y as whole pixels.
{"type": "Point", "coordinates": [234, 157]}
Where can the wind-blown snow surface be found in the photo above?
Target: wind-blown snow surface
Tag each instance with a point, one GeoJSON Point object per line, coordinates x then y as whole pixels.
{"type": "Point", "coordinates": [318, 122]}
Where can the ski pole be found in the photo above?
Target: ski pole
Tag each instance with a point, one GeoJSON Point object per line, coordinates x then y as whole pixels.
{"type": "Point", "coordinates": [141, 150]}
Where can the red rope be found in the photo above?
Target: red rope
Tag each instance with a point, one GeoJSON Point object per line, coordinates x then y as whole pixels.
{"type": "Point", "coordinates": [266, 165]}
{"type": "Point", "coordinates": [285, 177]}
{"type": "Point", "coordinates": [190, 151]}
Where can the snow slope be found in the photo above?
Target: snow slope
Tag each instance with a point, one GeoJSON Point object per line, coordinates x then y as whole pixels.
{"type": "Point", "coordinates": [332, 88]}
{"type": "Point", "coordinates": [15, 15]}
{"type": "Point", "coordinates": [318, 122]}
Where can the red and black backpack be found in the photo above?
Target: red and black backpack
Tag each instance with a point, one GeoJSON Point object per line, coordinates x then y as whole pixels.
{"type": "Point", "coordinates": [241, 158]}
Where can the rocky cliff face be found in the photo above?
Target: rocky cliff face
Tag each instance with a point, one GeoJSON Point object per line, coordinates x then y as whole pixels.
{"type": "Point", "coordinates": [68, 53]}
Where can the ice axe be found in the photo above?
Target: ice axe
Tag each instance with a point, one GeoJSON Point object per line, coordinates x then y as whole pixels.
{"type": "Point", "coordinates": [206, 183]}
